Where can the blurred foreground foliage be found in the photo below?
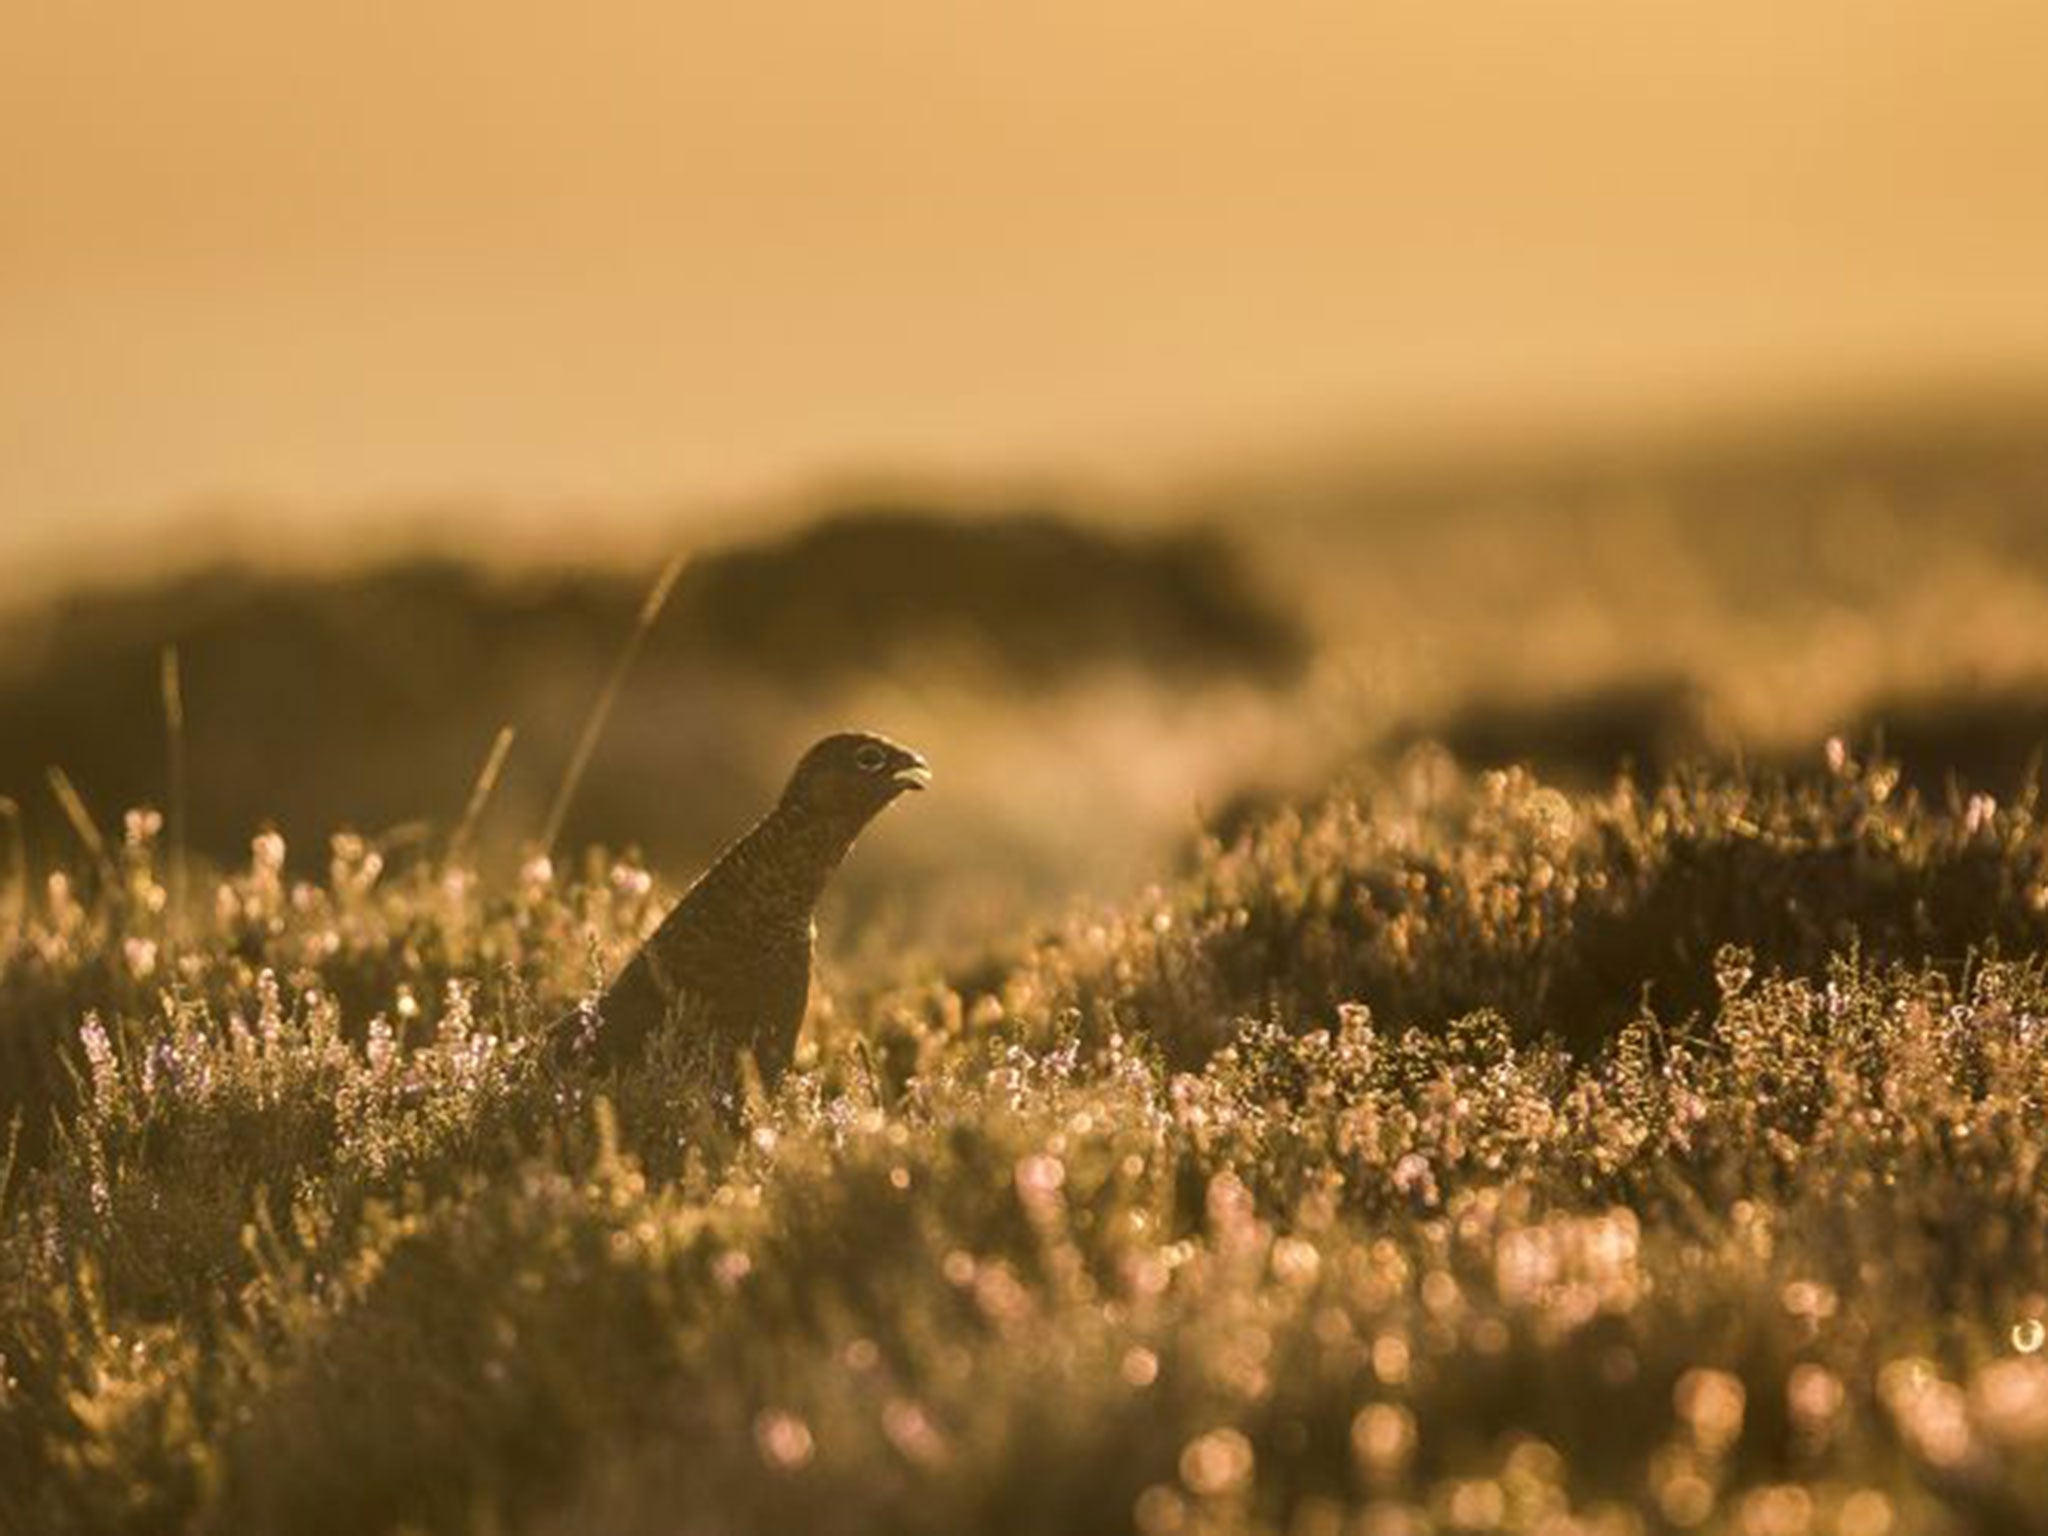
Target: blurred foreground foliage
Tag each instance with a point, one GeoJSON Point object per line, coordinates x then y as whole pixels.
{"type": "Point", "coordinates": [1461, 1155]}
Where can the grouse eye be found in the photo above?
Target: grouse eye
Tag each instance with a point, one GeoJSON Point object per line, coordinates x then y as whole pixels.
{"type": "Point", "coordinates": [870, 758]}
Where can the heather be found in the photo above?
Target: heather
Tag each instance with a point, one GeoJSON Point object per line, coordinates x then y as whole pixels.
{"type": "Point", "coordinates": [1443, 1153]}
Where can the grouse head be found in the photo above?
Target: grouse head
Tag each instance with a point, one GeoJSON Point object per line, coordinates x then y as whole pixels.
{"type": "Point", "coordinates": [849, 777]}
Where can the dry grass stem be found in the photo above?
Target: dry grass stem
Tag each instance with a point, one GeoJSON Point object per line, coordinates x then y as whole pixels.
{"type": "Point", "coordinates": [481, 791]}
{"type": "Point", "coordinates": [600, 713]}
{"type": "Point", "coordinates": [72, 803]}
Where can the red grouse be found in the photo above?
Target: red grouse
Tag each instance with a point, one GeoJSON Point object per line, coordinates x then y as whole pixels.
{"type": "Point", "coordinates": [731, 964]}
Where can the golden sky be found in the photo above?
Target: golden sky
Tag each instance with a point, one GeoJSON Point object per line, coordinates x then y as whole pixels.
{"type": "Point", "coordinates": [340, 254]}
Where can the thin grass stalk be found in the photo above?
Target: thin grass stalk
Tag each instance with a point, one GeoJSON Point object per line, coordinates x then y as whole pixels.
{"type": "Point", "coordinates": [480, 793]}
{"type": "Point", "coordinates": [11, 1160]}
{"type": "Point", "coordinates": [172, 680]}
{"type": "Point", "coordinates": [14, 901]}
{"type": "Point", "coordinates": [72, 803]}
{"type": "Point", "coordinates": [593, 728]}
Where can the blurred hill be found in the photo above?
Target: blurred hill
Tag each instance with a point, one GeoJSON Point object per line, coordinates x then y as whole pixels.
{"type": "Point", "coordinates": [1026, 600]}
{"type": "Point", "coordinates": [369, 700]}
{"type": "Point", "coordinates": [1094, 686]}
{"type": "Point", "coordinates": [1741, 586]}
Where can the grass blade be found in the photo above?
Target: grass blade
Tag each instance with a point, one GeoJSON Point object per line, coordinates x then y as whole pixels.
{"type": "Point", "coordinates": [75, 811]}
{"type": "Point", "coordinates": [14, 904]}
{"type": "Point", "coordinates": [480, 793]}
{"type": "Point", "coordinates": [11, 1160]}
{"type": "Point", "coordinates": [173, 685]}
{"type": "Point", "coordinates": [593, 728]}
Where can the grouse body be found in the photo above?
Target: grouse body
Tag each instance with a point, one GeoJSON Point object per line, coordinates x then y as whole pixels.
{"type": "Point", "coordinates": [730, 966]}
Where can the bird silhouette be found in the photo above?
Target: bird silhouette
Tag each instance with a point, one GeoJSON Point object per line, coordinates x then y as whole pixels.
{"type": "Point", "coordinates": [730, 966]}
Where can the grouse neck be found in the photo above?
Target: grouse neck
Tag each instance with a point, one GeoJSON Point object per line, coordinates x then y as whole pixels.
{"type": "Point", "coordinates": [791, 855]}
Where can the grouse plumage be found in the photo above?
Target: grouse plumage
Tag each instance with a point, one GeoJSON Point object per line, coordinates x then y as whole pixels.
{"type": "Point", "coordinates": [731, 965]}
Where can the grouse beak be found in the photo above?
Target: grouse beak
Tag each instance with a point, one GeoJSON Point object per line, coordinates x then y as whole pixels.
{"type": "Point", "coordinates": [914, 773]}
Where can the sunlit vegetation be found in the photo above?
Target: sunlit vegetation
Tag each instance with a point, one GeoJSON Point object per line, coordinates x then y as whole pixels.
{"type": "Point", "coordinates": [1450, 1154]}
{"type": "Point", "coordinates": [1085, 671]}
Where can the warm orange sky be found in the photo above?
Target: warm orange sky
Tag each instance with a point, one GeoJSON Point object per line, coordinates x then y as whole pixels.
{"type": "Point", "coordinates": [344, 253]}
